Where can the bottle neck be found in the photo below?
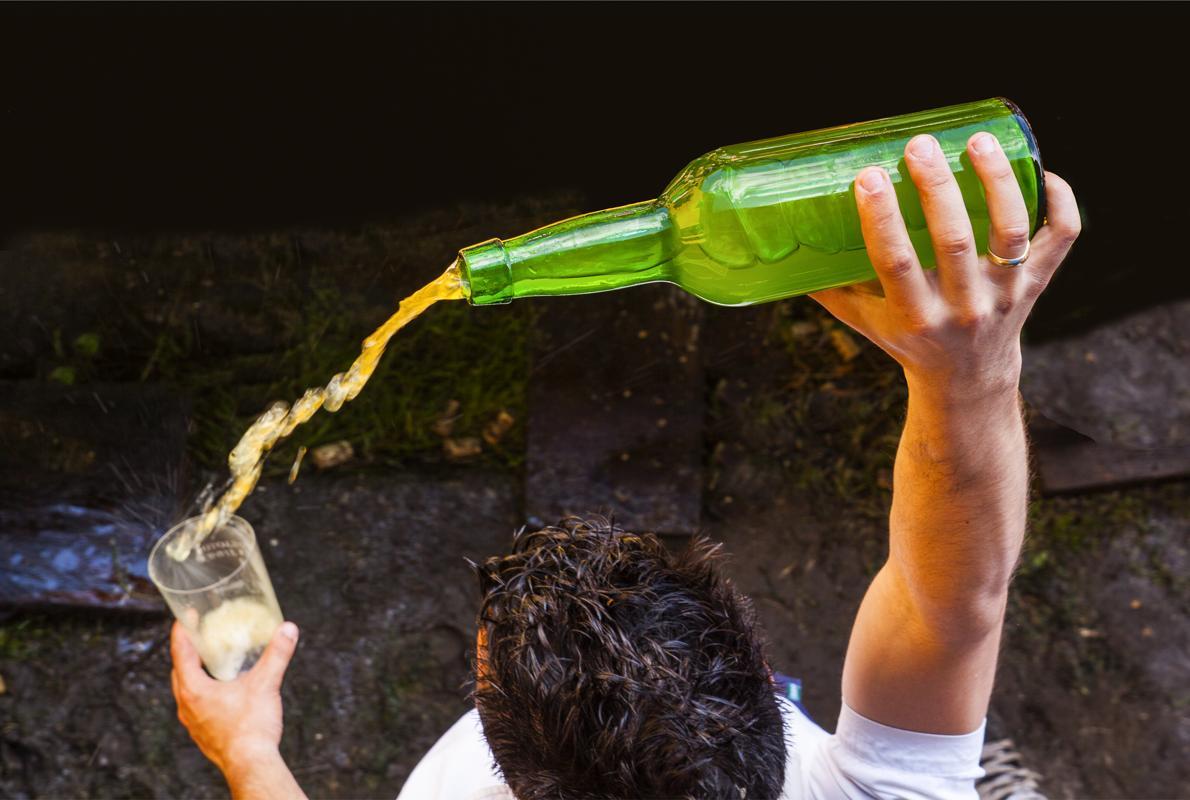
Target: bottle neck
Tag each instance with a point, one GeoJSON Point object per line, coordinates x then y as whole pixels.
{"type": "Point", "coordinates": [595, 252]}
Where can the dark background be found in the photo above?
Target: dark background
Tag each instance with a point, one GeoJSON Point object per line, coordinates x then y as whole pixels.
{"type": "Point", "coordinates": [182, 117]}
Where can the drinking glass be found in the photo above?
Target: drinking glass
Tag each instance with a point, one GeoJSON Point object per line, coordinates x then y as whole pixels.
{"type": "Point", "coordinates": [221, 593]}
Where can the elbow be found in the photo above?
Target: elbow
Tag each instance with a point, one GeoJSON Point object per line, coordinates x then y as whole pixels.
{"type": "Point", "coordinates": [956, 603]}
{"type": "Point", "coordinates": [957, 612]}
{"type": "Point", "coordinates": [967, 618]}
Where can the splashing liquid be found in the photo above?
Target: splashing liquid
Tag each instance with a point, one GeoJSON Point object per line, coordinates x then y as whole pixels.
{"type": "Point", "coordinates": [279, 421]}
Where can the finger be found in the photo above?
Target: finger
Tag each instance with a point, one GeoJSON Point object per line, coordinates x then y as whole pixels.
{"type": "Point", "coordinates": [889, 247]}
{"type": "Point", "coordinates": [270, 669]}
{"type": "Point", "coordinates": [173, 682]}
{"type": "Point", "coordinates": [1008, 233]}
{"type": "Point", "coordinates": [1062, 226]}
{"type": "Point", "coordinates": [185, 658]}
{"type": "Point", "coordinates": [946, 219]}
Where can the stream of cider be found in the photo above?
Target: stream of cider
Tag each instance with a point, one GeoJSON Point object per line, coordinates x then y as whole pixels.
{"type": "Point", "coordinates": [247, 457]}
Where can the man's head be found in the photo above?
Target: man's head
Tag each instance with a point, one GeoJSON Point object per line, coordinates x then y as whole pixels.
{"type": "Point", "coordinates": [612, 668]}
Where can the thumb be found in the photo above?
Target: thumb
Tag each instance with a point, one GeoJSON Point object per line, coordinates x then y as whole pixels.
{"type": "Point", "coordinates": [270, 669]}
{"type": "Point", "coordinates": [849, 305]}
{"type": "Point", "coordinates": [186, 658]}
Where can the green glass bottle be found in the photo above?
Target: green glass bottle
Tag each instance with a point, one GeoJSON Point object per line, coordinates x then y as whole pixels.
{"type": "Point", "coordinates": [756, 222]}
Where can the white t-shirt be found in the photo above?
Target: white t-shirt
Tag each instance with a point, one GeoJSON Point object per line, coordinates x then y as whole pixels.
{"type": "Point", "coordinates": [862, 759]}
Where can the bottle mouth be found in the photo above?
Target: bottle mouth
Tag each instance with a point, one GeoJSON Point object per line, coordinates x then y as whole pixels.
{"type": "Point", "coordinates": [1035, 153]}
{"type": "Point", "coordinates": [485, 273]}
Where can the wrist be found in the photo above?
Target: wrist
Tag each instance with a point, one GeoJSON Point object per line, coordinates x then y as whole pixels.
{"type": "Point", "coordinates": [968, 432]}
{"type": "Point", "coordinates": [248, 758]}
{"type": "Point", "coordinates": [963, 393]}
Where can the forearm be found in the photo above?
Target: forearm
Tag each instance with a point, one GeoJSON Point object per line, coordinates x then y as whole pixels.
{"type": "Point", "coordinates": [262, 776]}
{"type": "Point", "coordinates": [959, 507]}
{"type": "Point", "coordinates": [923, 650]}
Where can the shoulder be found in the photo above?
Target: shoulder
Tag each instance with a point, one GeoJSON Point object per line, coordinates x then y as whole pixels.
{"type": "Point", "coordinates": [865, 759]}
{"type": "Point", "coordinates": [459, 765]}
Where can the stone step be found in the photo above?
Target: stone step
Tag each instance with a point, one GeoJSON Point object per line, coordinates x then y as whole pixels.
{"type": "Point", "coordinates": [89, 477]}
{"type": "Point", "coordinates": [1067, 461]}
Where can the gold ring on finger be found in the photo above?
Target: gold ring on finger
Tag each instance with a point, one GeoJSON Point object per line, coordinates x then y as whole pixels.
{"type": "Point", "coordinates": [1010, 262]}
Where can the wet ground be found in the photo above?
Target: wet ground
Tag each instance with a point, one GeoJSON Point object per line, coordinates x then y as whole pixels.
{"type": "Point", "coordinates": [372, 571]}
{"type": "Point", "coordinates": [799, 425]}
{"type": "Point", "coordinates": [371, 568]}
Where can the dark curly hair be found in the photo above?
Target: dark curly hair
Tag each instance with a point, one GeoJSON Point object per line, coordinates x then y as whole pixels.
{"type": "Point", "coordinates": [615, 669]}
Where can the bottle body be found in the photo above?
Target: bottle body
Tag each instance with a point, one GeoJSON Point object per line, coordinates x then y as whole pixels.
{"type": "Point", "coordinates": [759, 221]}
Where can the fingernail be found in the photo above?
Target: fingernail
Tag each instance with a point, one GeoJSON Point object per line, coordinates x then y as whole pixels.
{"type": "Point", "coordinates": [289, 631]}
{"type": "Point", "coordinates": [923, 147]}
{"type": "Point", "coordinates": [872, 181]}
{"type": "Point", "coordinates": [983, 143]}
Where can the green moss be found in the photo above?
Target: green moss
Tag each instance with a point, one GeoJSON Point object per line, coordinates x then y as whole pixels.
{"type": "Point", "coordinates": [1055, 588]}
{"type": "Point", "coordinates": [1062, 526]}
{"type": "Point", "coordinates": [21, 638]}
{"type": "Point", "coordinates": [237, 322]}
{"type": "Point", "coordinates": [453, 352]}
{"type": "Point", "coordinates": [64, 375]}
{"type": "Point", "coordinates": [86, 345]}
